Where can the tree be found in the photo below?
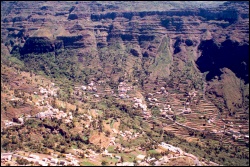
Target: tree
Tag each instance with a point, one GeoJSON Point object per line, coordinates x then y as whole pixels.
{"type": "Point", "coordinates": [174, 117]}
{"type": "Point", "coordinates": [77, 110]}
{"type": "Point", "coordinates": [104, 163]}
{"type": "Point", "coordinates": [107, 133]}
{"type": "Point", "coordinates": [22, 161]}
{"type": "Point", "coordinates": [122, 159]}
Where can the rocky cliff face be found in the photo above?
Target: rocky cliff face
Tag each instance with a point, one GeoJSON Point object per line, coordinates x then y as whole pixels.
{"type": "Point", "coordinates": [214, 36]}
{"type": "Point", "coordinates": [193, 24]}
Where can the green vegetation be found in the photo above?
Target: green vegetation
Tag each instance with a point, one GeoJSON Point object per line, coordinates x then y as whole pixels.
{"type": "Point", "coordinates": [213, 150]}
{"type": "Point", "coordinates": [114, 64]}
{"type": "Point", "coordinates": [163, 61]}
{"type": "Point", "coordinates": [86, 163]}
{"type": "Point", "coordinates": [111, 149]}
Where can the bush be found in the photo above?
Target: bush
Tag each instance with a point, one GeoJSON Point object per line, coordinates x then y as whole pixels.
{"type": "Point", "coordinates": [104, 163]}
{"type": "Point", "coordinates": [22, 161]}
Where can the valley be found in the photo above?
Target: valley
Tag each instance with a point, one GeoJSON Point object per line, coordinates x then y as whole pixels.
{"type": "Point", "coordinates": [115, 86]}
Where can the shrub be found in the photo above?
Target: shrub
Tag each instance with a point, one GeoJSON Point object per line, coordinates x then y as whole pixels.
{"type": "Point", "coordinates": [104, 163]}
{"type": "Point", "coordinates": [22, 161]}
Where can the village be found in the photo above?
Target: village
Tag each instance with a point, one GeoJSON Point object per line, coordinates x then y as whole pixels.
{"type": "Point", "coordinates": [74, 159]}
{"type": "Point", "coordinates": [168, 109]}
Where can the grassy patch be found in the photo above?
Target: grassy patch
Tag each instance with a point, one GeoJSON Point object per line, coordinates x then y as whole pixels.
{"type": "Point", "coordinates": [99, 112]}
{"type": "Point", "coordinates": [74, 146]}
{"type": "Point", "coordinates": [111, 123]}
{"type": "Point", "coordinates": [162, 62]}
{"type": "Point", "coordinates": [86, 163]}
{"type": "Point", "coordinates": [152, 152]}
{"type": "Point", "coordinates": [127, 157]}
{"type": "Point", "coordinates": [111, 149]}
{"type": "Point", "coordinates": [181, 119]}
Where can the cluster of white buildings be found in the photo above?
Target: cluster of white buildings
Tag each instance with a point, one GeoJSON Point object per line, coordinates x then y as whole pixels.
{"type": "Point", "coordinates": [105, 153]}
{"type": "Point", "coordinates": [10, 123]}
{"type": "Point", "coordinates": [129, 134]}
{"type": "Point", "coordinates": [70, 159]}
{"type": "Point", "coordinates": [91, 87]}
{"type": "Point", "coordinates": [170, 148]}
{"type": "Point", "coordinates": [51, 92]}
{"type": "Point", "coordinates": [6, 157]}
{"type": "Point", "coordinates": [186, 110]}
{"type": "Point", "coordinates": [112, 141]}
{"type": "Point", "coordinates": [125, 164]}
{"type": "Point", "coordinates": [192, 93]}
{"type": "Point", "coordinates": [167, 110]}
{"type": "Point", "coordinates": [162, 91]}
{"type": "Point", "coordinates": [122, 90]}
{"type": "Point", "coordinates": [54, 112]}
{"type": "Point", "coordinates": [138, 103]}
{"type": "Point", "coordinates": [161, 161]}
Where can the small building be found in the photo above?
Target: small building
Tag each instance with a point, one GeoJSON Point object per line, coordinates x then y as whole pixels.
{"type": "Point", "coordinates": [170, 148]}
{"type": "Point", "coordinates": [91, 83]}
{"type": "Point", "coordinates": [20, 120]}
{"type": "Point", "coordinates": [187, 111]}
{"type": "Point", "coordinates": [83, 87]}
{"type": "Point", "coordinates": [144, 164]}
{"type": "Point", "coordinates": [8, 123]}
{"type": "Point", "coordinates": [54, 160]}
{"type": "Point", "coordinates": [154, 99]}
{"type": "Point", "coordinates": [114, 130]}
{"type": "Point", "coordinates": [89, 88]}
{"type": "Point", "coordinates": [150, 94]}
{"type": "Point", "coordinates": [105, 154]}
{"type": "Point", "coordinates": [40, 115]}
{"type": "Point", "coordinates": [125, 164]}
{"type": "Point", "coordinates": [122, 96]}
{"type": "Point", "coordinates": [42, 163]}
{"type": "Point", "coordinates": [117, 157]}
{"type": "Point", "coordinates": [140, 157]}
{"type": "Point", "coordinates": [6, 157]}
{"type": "Point", "coordinates": [34, 156]}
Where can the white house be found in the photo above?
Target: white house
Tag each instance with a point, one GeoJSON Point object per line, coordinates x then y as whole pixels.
{"type": "Point", "coordinates": [141, 157]}
{"type": "Point", "coordinates": [6, 156]}
{"type": "Point", "coordinates": [94, 89]}
{"type": "Point", "coordinates": [154, 99]}
{"type": "Point", "coordinates": [20, 120]}
{"type": "Point", "coordinates": [34, 156]}
{"type": "Point", "coordinates": [117, 157]}
{"type": "Point", "coordinates": [54, 160]}
{"type": "Point", "coordinates": [170, 148]}
{"type": "Point", "coordinates": [43, 163]}
{"type": "Point", "coordinates": [125, 164]}
{"type": "Point", "coordinates": [40, 115]}
{"type": "Point", "coordinates": [91, 83]}
{"type": "Point", "coordinates": [84, 87]}
{"type": "Point", "coordinates": [105, 153]}
{"type": "Point", "coordinates": [89, 88]}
